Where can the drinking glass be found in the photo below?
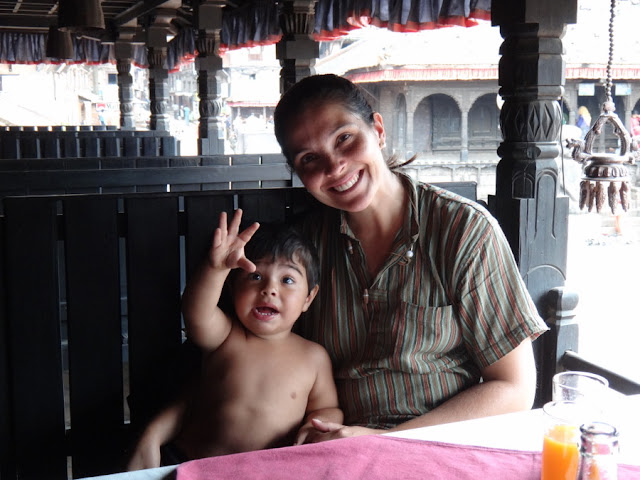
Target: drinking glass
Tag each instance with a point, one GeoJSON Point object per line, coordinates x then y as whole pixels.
{"type": "Point", "coordinates": [560, 448]}
{"type": "Point", "coordinates": [578, 386]}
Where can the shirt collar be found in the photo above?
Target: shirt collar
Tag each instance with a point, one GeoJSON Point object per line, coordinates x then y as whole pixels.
{"type": "Point", "coordinates": [411, 187]}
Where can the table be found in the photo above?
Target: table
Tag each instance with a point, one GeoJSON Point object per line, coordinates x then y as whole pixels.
{"type": "Point", "coordinates": [524, 430]}
{"type": "Point", "coordinates": [504, 435]}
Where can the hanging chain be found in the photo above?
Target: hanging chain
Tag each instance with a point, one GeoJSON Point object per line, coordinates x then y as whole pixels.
{"type": "Point", "coordinates": [612, 17]}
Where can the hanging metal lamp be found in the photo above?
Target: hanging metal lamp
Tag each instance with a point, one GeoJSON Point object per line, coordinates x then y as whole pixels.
{"type": "Point", "coordinates": [605, 176]}
{"type": "Point", "coordinates": [80, 15]}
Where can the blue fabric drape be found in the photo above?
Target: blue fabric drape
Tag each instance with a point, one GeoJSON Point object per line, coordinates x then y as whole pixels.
{"type": "Point", "coordinates": [336, 17]}
{"type": "Point", "coordinates": [247, 26]}
{"type": "Point", "coordinates": [259, 24]}
{"type": "Point", "coordinates": [181, 49]}
{"type": "Point", "coordinates": [30, 48]}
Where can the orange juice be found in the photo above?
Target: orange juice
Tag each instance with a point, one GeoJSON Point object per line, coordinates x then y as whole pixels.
{"type": "Point", "coordinates": [560, 456]}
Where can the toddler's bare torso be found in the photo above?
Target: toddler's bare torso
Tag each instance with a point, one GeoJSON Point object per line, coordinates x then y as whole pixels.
{"type": "Point", "coordinates": [252, 395]}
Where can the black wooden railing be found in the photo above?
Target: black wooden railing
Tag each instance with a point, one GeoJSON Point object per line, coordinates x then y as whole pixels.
{"type": "Point", "coordinates": [68, 263]}
{"type": "Point", "coordinates": [90, 288]}
{"type": "Point", "coordinates": [84, 141]}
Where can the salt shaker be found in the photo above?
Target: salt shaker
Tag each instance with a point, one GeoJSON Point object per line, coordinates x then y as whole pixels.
{"type": "Point", "coordinates": [598, 452]}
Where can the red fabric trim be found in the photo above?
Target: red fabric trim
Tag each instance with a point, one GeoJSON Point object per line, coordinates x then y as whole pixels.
{"type": "Point", "coordinates": [425, 75]}
{"type": "Point", "coordinates": [359, 21]}
{"type": "Point", "coordinates": [223, 48]}
{"type": "Point", "coordinates": [356, 22]}
{"type": "Point", "coordinates": [480, 15]}
{"type": "Point", "coordinates": [596, 73]}
{"type": "Point", "coordinates": [250, 103]}
{"type": "Point", "coordinates": [478, 73]}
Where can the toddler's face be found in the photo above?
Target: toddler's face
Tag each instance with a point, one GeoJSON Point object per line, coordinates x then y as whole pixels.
{"type": "Point", "coordinates": [269, 301]}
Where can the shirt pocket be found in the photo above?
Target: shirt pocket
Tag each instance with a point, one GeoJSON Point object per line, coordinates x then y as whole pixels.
{"type": "Point", "coordinates": [419, 339]}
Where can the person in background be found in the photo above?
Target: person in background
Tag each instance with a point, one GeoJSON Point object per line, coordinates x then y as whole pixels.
{"type": "Point", "coordinates": [635, 124]}
{"type": "Point", "coordinates": [261, 386]}
{"type": "Point", "coordinates": [421, 305]}
{"type": "Point", "coordinates": [584, 120]}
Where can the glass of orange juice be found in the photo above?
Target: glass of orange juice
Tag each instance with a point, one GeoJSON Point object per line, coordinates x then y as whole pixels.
{"type": "Point", "coordinates": [560, 454]}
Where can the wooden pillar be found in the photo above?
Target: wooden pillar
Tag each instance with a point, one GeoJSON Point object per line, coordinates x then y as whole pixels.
{"type": "Point", "coordinates": [211, 130]}
{"type": "Point", "coordinates": [158, 71]}
{"type": "Point", "coordinates": [528, 201]}
{"type": "Point", "coordinates": [411, 109]}
{"type": "Point", "coordinates": [297, 51]}
{"type": "Point", "coordinates": [124, 54]}
{"type": "Point", "coordinates": [464, 134]}
{"type": "Point", "coordinates": [563, 335]}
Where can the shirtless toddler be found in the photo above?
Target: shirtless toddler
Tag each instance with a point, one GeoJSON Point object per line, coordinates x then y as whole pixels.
{"type": "Point", "coordinates": [261, 385]}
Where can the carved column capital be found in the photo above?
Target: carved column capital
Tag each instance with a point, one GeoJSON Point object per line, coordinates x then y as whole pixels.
{"type": "Point", "coordinates": [297, 17]}
{"type": "Point", "coordinates": [156, 57]}
{"type": "Point", "coordinates": [297, 51]}
{"type": "Point", "coordinates": [123, 65]}
{"type": "Point", "coordinates": [207, 42]}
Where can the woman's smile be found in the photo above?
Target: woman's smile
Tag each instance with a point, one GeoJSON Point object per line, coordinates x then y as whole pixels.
{"type": "Point", "coordinates": [343, 187]}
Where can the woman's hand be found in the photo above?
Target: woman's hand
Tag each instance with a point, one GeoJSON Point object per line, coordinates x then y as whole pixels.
{"type": "Point", "coordinates": [320, 431]}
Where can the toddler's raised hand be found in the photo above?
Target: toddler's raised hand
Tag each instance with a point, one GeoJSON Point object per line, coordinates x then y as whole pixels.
{"type": "Point", "coordinates": [227, 248]}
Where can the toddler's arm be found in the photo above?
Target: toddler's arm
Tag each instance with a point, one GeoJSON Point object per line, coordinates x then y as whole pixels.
{"type": "Point", "coordinates": [207, 325]}
{"type": "Point", "coordinates": [160, 431]}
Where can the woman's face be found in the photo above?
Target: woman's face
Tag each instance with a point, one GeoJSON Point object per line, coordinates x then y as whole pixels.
{"type": "Point", "coordinates": [337, 155]}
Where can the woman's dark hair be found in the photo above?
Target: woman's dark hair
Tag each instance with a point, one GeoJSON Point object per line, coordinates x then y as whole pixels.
{"type": "Point", "coordinates": [274, 241]}
{"type": "Point", "coordinates": [326, 89]}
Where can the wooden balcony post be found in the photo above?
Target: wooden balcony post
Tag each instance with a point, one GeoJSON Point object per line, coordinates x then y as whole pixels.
{"type": "Point", "coordinates": [528, 203]}
{"type": "Point", "coordinates": [124, 54]}
{"type": "Point", "coordinates": [297, 51]}
{"type": "Point", "coordinates": [208, 22]}
{"type": "Point", "coordinates": [563, 335]}
{"type": "Point", "coordinates": [464, 134]}
{"type": "Point", "coordinates": [158, 71]}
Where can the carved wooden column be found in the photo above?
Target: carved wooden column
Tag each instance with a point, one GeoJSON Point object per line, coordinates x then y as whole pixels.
{"type": "Point", "coordinates": [211, 133]}
{"type": "Point", "coordinates": [158, 72]}
{"type": "Point", "coordinates": [411, 109]}
{"type": "Point", "coordinates": [563, 335]}
{"type": "Point", "coordinates": [528, 203]}
{"type": "Point", "coordinates": [124, 54]}
{"type": "Point", "coordinates": [464, 134]}
{"type": "Point", "coordinates": [297, 51]}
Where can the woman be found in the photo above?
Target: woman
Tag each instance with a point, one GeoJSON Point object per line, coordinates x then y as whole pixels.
{"type": "Point", "coordinates": [420, 296]}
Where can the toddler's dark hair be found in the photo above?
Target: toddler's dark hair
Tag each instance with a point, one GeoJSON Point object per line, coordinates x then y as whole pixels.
{"type": "Point", "coordinates": [273, 241]}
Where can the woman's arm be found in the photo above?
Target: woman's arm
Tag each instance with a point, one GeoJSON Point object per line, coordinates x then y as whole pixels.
{"type": "Point", "coordinates": [508, 386]}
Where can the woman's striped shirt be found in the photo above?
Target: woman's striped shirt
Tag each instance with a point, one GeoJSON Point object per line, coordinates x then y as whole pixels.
{"type": "Point", "coordinates": [448, 301]}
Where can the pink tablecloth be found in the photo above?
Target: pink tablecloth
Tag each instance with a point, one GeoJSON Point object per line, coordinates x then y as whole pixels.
{"type": "Point", "coordinates": [374, 457]}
